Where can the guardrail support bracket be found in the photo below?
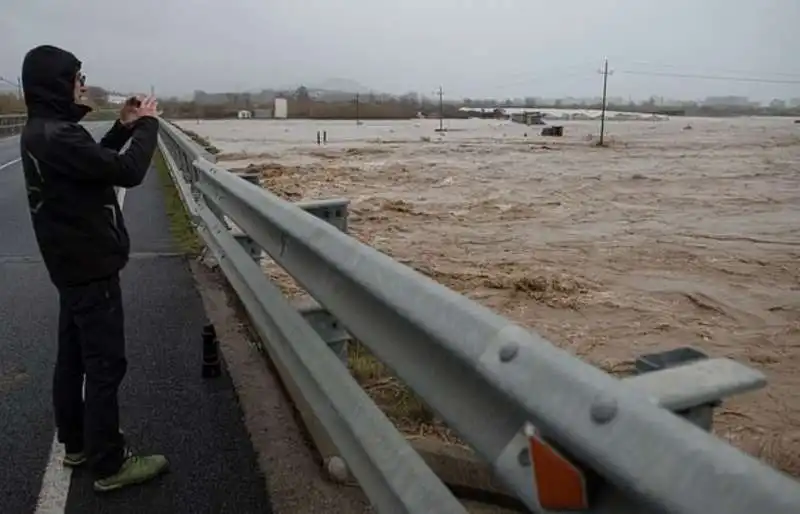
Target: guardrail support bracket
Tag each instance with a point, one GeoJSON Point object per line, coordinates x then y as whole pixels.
{"type": "Point", "coordinates": [250, 246]}
{"type": "Point", "coordinates": [333, 210]}
{"type": "Point", "coordinates": [328, 327]}
{"type": "Point", "coordinates": [251, 176]}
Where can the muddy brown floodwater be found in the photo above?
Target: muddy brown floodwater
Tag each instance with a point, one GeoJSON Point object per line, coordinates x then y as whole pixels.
{"type": "Point", "coordinates": [671, 236]}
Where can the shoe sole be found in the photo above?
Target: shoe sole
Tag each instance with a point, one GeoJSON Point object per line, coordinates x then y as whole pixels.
{"type": "Point", "coordinates": [116, 487]}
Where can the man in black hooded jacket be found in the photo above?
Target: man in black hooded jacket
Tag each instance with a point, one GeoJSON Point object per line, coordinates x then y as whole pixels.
{"type": "Point", "coordinates": [81, 233]}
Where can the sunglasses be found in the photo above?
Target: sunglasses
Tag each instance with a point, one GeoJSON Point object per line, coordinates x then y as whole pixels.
{"type": "Point", "coordinates": [82, 79]}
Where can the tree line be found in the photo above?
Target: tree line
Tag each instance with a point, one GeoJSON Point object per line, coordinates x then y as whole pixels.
{"type": "Point", "coordinates": [303, 104]}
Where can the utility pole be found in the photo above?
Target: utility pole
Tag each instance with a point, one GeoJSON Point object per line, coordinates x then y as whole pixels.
{"type": "Point", "coordinates": [441, 109]}
{"type": "Point", "coordinates": [358, 118]}
{"type": "Point", "coordinates": [605, 73]}
{"type": "Point", "coordinates": [17, 84]}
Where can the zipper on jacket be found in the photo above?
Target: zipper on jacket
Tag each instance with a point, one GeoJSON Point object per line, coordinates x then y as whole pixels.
{"type": "Point", "coordinates": [114, 226]}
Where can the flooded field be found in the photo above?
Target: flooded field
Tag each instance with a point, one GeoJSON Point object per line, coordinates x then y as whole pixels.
{"type": "Point", "coordinates": [670, 236]}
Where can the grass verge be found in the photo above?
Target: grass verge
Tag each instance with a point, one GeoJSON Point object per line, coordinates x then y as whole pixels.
{"type": "Point", "coordinates": [180, 225]}
{"type": "Point", "coordinates": [400, 404]}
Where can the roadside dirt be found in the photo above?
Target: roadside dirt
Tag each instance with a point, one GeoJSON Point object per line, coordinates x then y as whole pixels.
{"type": "Point", "coordinates": [668, 237]}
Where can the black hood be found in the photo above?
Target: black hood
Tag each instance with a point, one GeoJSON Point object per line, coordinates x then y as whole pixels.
{"type": "Point", "coordinates": [48, 81]}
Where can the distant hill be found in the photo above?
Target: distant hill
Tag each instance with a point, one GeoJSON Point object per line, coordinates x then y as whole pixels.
{"type": "Point", "coordinates": [333, 85]}
{"type": "Point", "coordinates": [343, 85]}
{"type": "Point", "coordinates": [329, 90]}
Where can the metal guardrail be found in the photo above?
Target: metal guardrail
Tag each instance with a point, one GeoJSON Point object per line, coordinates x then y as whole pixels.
{"type": "Point", "coordinates": [558, 432]}
{"type": "Point", "coordinates": [11, 124]}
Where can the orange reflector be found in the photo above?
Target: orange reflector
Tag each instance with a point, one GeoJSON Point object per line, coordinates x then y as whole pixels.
{"type": "Point", "coordinates": [560, 484]}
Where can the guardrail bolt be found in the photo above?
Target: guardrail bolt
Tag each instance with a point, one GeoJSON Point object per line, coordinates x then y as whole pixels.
{"type": "Point", "coordinates": [211, 363]}
{"type": "Point", "coordinates": [604, 410]}
{"type": "Point", "coordinates": [524, 458]}
{"type": "Point", "coordinates": [508, 352]}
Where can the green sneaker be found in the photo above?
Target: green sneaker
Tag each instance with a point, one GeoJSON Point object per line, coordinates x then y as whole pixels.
{"type": "Point", "coordinates": [135, 470]}
{"type": "Point", "coordinates": [73, 460]}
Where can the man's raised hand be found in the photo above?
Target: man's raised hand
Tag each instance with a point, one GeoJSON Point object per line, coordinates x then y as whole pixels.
{"type": "Point", "coordinates": [149, 107]}
{"type": "Point", "coordinates": [128, 114]}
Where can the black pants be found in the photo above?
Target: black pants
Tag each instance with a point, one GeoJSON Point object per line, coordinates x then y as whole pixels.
{"type": "Point", "coordinates": [91, 343]}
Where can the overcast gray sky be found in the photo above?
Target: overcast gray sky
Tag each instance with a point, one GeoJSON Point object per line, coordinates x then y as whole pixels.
{"type": "Point", "coordinates": [500, 48]}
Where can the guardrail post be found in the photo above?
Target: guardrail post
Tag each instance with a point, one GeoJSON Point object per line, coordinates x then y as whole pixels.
{"type": "Point", "coordinates": [330, 330]}
{"type": "Point", "coordinates": [335, 212]}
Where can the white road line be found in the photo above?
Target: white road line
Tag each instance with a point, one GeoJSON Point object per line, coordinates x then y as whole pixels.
{"type": "Point", "coordinates": [55, 483]}
{"type": "Point", "coordinates": [10, 163]}
{"type": "Point", "coordinates": [57, 477]}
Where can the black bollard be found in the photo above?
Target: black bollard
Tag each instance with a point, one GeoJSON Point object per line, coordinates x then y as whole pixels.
{"type": "Point", "coordinates": [318, 141]}
{"type": "Point", "coordinates": [325, 137]}
{"type": "Point", "coordinates": [211, 364]}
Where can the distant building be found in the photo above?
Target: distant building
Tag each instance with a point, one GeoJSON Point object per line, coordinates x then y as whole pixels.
{"type": "Point", "coordinates": [528, 117]}
{"type": "Point", "coordinates": [245, 99]}
{"type": "Point", "coordinates": [116, 99]}
{"type": "Point", "coordinates": [281, 109]}
{"type": "Point", "coordinates": [728, 101]}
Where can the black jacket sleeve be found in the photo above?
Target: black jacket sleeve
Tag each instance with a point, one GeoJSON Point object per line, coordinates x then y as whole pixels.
{"type": "Point", "coordinates": [117, 136]}
{"type": "Point", "coordinates": [82, 159]}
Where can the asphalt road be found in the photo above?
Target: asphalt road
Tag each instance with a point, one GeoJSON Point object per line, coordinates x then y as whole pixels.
{"type": "Point", "coordinates": [166, 406]}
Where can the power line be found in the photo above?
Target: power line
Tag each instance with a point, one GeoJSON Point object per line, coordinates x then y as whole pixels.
{"type": "Point", "coordinates": [17, 84]}
{"type": "Point", "coordinates": [759, 80]}
{"type": "Point", "coordinates": [562, 72]}
{"type": "Point", "coordinates": [718, 70]}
